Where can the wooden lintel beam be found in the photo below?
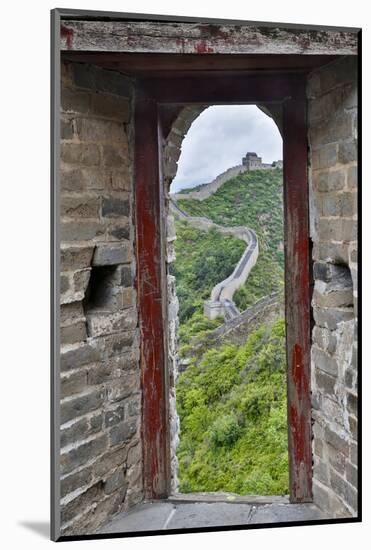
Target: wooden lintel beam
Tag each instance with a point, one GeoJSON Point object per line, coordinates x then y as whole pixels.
{"type": "Point", "coordinates": [219, 90]}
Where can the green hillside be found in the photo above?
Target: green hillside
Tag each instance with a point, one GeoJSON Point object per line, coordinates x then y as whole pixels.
{"type": "Point", "coordinates": [203, 259]}
{"type": "Point", "coordinates": [253, 199]}
{"type": "Point", "coordinates": [231, 400]}
{"type": "Point", "coordinates": [232, 409]}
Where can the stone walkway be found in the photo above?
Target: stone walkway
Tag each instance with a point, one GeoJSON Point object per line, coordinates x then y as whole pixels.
{"type": "Point", "coordinates": [183, 514]}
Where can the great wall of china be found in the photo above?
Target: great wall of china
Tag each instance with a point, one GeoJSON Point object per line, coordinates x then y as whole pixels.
{"type": "Point", "coordinates": [221, 300]}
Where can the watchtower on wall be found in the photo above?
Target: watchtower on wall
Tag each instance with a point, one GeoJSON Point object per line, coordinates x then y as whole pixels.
{"type": "Point", "coordinates": [252, 161]}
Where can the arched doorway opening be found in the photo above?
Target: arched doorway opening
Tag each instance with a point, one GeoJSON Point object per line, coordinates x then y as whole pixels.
{"type": "Point", "coordinates": [241, 189]}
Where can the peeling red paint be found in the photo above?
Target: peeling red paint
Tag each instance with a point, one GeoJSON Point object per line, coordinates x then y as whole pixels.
{"type": "Point", "coordinates": [202, 47]}
{"type": "Point", "coordinates": [67, 35]}
{"type": "Point", "coordinates": [298, 427]}
{"type": "Point", "coordinates": [298, 372]}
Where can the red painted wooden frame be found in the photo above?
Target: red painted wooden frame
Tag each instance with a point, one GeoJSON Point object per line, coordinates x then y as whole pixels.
{"type": "Point", "coordinates": [152, 295]}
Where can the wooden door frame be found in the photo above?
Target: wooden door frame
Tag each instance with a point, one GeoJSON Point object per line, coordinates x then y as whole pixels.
{"type": "Point", "coordinates": [288, 89]}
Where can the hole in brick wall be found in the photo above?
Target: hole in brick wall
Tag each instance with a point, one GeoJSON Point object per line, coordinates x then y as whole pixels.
{"type": "Point", "coordinates": [334, 285]}
{"type": "Point", "coordinates": [100, 293]}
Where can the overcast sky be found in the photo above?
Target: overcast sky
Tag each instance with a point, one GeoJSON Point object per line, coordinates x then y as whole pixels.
{"type": "Point", "coordinates": [220, 137]}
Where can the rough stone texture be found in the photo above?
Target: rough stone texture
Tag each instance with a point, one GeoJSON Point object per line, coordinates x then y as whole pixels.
{"type": "Point", "coordinates": [332, 103]}
{"type": "Point", "coordinates": [202, 38]}
{"type": "Point", "coordinates": [100, 373]}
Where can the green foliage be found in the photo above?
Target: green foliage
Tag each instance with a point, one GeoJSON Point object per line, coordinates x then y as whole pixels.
{"type": "Point", "coordinates": [232, 409]}
{"type": "Point", "coordinates": [203, 259]}
{"type": "Point", "coordinates": [253, 199]}
{"type": "Point", "coordinates": [232, 400]}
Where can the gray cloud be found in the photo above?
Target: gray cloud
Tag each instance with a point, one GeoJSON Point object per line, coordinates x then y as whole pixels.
{"type": "Point", "coordinates": [220, 137]}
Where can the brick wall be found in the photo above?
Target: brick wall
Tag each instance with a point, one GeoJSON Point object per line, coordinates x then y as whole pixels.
{"type": "Point", "coordinates": [101, 456]}
{"type": "Point", "coordinates": [332, 104]}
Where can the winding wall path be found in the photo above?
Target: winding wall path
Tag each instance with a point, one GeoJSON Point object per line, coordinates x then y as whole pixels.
{"type": "Point", "coordinates": [221, 299]}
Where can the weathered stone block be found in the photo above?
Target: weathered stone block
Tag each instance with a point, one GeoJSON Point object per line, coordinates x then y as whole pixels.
{"type": "Point", "coordinates": [351, 473]}
{"type": "Point", "coordinates": [325, 295]}
{"type": "Point", "coordinates": [115, 481]}
{"type": "Point", "coordinates": [325, 382]}
{"type": "Point", "coordinates": [114, 416]}
{"type": "Point", "coordinates": [126, 276]}
{"type": "Point", "coordinates": [331, 317]}
{"type": "Point", "coordinates": [81, 280]}
{"type": "Point", "coordinates": [119, 344]}
{"type": "Point", "coordinates": [120, 180]}
{"type": "Point", "coordinates": [83, 230]}
{"type": "Point", "coordinates": [111, 459]}
{"type": "Point", "coordinates": [324, 361]}
{"type": "Point", "coordinates": [333, 129]}
{"type": "Point", "coordinates": [112, 254]}
{"type": "Point", "coordinates": [120, 388]}
{"type": "Point", "coordinates": [114, 368]}
{"type": "Point", "coordinates": [352, 403]}
{"type": "Point", "coordinates": [320, 470]}
{"type": "Point", "coordinates": [353, 180]}
{"type": "Point", "coordinates": [340, 73]}
{"type": "Point", "coordinates": [339, 229]}
{"type": "Point", "coordinates": [75, 101]}
{"type": "Point", "coordinates": [65, 283]}
{"type": "Point", "coordinates": [344, 204]}
{"type": "Point", "coordinates": [331, 252]}
{"type": "Point", "coordinates": [111, 106]}
{"type": "Point", "coordinates": [67, 130]}
{"type": "Point", "coordinates": [354, 453]}
{"type": "Point", "coordinates": [99, 131]}
{"type": "Point", "coordinates": [78, 456]}
{"type": "Point", "coordinates": [96, 515]}
{"type": "Point", "coordinates": [127, 296]}
{"type": "Point", "coordinates": [133, 405]}
{"type": "Point", "coordinates": [80, 153]}
{"type": "Point", "coordinates": [101, 80]}
{"type": "Point", "coordinates": [73, 333]}
{"type": "Point", "coordinates": [338, 441]}
{"type": "Point", "coordinates": [81, 429]}
{"type": "Point", "coordinates": [324, 339]}
{"type": "Point", "coordinates": [135, 454]}
{"type": "Point", "coordinates": [344, 490]}
{"type": "Point", "coordinates": [337, 459]}
{"type": "Point", "coordinates": [103, 323]}
{"type": "Point", "coordinates": [121, 232]}
{"type": "Point", "coordinates": [115, 157]}
{"type": "Point", "coordinates": [353, 427]}
{"type": "Point", "coordinates": [75, 481]}
{"type": "Point", "coordinates": [79, 355]}
{"type": "Point", "coordinates": [318, 447]}
{"type": "Point", "coordinates": [113, 207]}
{"type": "Point", "coordinates": [73, 383]}
{"type": "Point", "coordinates": [75, 290]}
{"type": "Point", "coordinates": [330, 181]}
{"type": "Point", "coordinates": [122, 432]}
{"type": "Point", "coordinates": [80, 206]}
{"type": "Point", "coordinates": [349, 378]}
{"type": "Point", "coordinates": [347, 151]}
{"type": "Point", "coordinates": [82, 501]}
{"type": "Point", "coordinates": [71, 180]}
{"type": "Point", "coordinates": [74, 257]}
{"type": "Point", "coordinates": [325, 157]}
{"type": "Point", "coordinates": [82, 404]}
{"type": "Point", "coordinates": [69, 313]}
